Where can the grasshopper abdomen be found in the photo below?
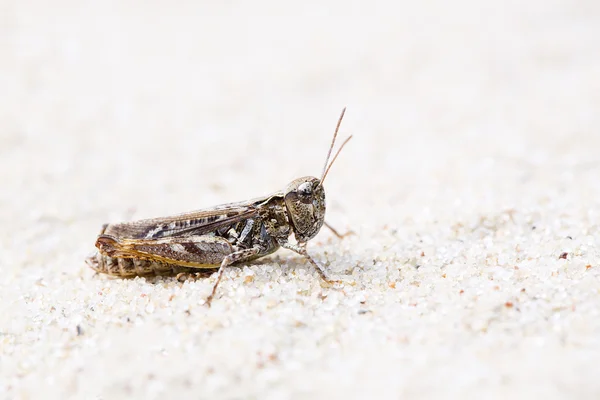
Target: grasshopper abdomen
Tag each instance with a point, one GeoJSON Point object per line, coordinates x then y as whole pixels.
{"type": "Point", "coordinates": [129, 267]}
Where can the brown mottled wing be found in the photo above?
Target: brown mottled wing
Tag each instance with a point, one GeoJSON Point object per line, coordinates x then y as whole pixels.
{"type": "Point", "coordinates": [193, 223]}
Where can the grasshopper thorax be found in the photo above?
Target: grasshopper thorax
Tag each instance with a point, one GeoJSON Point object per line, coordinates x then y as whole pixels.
{"type": "Point", "coordinates": [305, 204]}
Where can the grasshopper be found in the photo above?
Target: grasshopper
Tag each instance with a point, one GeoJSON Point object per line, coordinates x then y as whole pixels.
{"type": "Point", "coordinates": [220, 236]}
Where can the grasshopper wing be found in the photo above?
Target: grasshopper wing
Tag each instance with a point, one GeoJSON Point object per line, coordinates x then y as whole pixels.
{"type": "Point", "coordinates": [199, 222]}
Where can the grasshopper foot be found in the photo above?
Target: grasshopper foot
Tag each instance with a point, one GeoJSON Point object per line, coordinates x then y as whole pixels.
{"type": "Point", "coordinates": [330, 282]}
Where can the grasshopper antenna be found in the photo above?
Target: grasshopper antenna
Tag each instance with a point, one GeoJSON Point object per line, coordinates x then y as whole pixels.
{"type": "Point", "coordinates": [337, 128]}
{"type": "Point", "coordinates": [326, 167]}
{"type": "Point", "coordinates": [334, 157]}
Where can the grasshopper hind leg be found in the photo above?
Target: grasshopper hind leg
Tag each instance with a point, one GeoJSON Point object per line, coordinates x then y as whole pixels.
{"type": "Point", "coordinates": [241, 255]}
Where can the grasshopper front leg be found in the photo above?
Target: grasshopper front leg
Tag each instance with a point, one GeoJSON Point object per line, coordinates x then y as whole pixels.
{"type": "Point", "coordinates": [301, 249]}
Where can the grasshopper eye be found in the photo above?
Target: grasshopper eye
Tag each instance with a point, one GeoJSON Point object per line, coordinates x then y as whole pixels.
{"type": "Point", "coordinates": [305, 189]}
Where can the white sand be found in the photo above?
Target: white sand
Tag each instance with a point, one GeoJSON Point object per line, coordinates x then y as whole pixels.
{"type": "Point", "coordinates": [474, 167]}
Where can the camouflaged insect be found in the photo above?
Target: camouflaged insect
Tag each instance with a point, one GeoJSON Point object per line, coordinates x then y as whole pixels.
{"type": "Point", "coordinates": [219, 236]}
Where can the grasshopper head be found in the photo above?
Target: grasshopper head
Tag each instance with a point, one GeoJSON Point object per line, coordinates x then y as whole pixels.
{"type": "Point", "coordinates": [305, 203]}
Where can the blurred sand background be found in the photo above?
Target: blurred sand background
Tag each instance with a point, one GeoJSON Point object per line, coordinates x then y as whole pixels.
{"type": "Point", "coordinates": [471, 184]}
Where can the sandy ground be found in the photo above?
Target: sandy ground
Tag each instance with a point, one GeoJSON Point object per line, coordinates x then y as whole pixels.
{"type": "Point", "coordinates": [471, 184]}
